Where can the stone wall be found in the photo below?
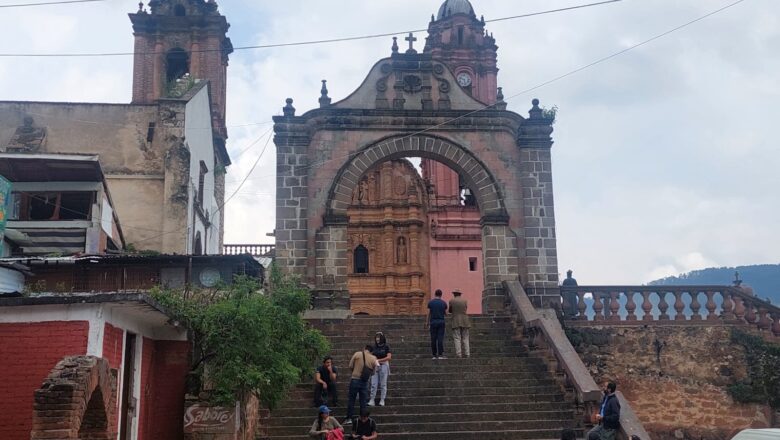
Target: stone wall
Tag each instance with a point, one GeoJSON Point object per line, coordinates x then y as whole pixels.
{"type": "Point", "coordinates": [674, 376]}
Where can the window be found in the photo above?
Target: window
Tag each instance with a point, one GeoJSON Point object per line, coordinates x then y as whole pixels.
{"type": "Point", "coordinates": [460, 36]}
{"type": "Point", "coordinates": [179, 11]}
{"type": "Point", "coordinates": [361, 259]}
{"type": "Point", "coordinates": [472, 264]}
{"type": "Point", "coordinates": [202, 183]}
{"type": "Point", "coordinates": [198, 244]}
{"type": "Point", "coordinates": [177, 64]}
{"type": "Point", "coordinates": [43, 206]}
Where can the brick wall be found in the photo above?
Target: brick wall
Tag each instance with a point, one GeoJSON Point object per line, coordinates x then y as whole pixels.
{"type": "Point", "coordinates": [675, 377]}
{"type": "Point", "coordinates": [28, 352]}
{"type": "Point", "coordinates": [113, 343]}
{"type": "Point", "coordinates": [164, 368]}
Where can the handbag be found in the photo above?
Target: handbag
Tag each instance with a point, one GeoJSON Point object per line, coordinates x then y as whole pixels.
{"type": "Point", "coordinates": [366, 373]}
{"type": "Point", "coordinates": [336, 434]}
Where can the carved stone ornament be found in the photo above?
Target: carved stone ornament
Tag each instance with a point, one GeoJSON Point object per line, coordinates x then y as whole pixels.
{"type": "Point", "coordinates": [399, 185]}
{"type": "Point", "coordinates": [438, 69]}
{"type": "Point", "coordinates": [381, 85]}
{"type": "Point", "coordinates": [444, 86]}
{"type": "Point", "coordinates": [27, 138]}
{"type": "Point", "coordinates": [386, 68]}
{"type": "Point", "coordinates": [412, 84]}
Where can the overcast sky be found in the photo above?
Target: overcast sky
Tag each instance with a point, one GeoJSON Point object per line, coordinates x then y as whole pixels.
{"type": "Point", "coordinates": [665, 160]}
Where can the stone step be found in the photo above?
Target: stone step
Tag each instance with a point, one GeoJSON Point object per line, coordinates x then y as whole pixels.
{"type": "Point", "coordinates": [305, 400]}
{"type": "Point", "coordinates": [306, 409]}
{"type": "Point", "coordinates": [406, 382]}
{"type": "Point", "coordinates": [414, 426]}
{"type": "Point", "coordinates": [442, 391]}
{"type": "Point", "coordinates": [520, 359]}
{"type": "Point", "coordinates": [534, 434]}
{"type": "Point", "coordinates": [425, 417]}
{"type": "Point", "coordinates": [420, 352]}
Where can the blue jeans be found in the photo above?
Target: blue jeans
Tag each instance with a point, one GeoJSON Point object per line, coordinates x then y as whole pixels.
{"type": "Point", "coordinates": [379, 381]}
{"type": "Point", "coordinates": [437, 337]}
{"type": "Point", "coordinates": [357, 387]}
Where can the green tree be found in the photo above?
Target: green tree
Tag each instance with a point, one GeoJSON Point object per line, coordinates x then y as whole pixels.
{"type": "Point", "coordinates": [247, 341]}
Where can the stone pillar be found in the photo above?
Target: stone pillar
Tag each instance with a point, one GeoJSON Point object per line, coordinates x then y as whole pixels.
{"type": "Point", "coordinates": [292, 195]}
{"type": "Point", "coordinates": [541, 251]}
{"type": "Point", "coordinates": [501, 263]}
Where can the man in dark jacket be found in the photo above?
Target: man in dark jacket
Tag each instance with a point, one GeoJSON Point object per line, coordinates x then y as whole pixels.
{"type": "Point", "coordinates": [608, 416]}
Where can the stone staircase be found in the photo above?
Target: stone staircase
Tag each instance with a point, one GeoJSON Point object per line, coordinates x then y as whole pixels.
{"type": "Point", "coordinates": [499, 393]}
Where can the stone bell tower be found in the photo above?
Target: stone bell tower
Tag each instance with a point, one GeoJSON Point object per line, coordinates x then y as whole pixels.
{"type": "Point", "coordinates": [178, 37]}
{"type": "Point", "coordinates": [457, 38]}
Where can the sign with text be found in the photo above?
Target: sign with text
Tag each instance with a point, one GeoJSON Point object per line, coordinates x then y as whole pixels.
{"type": "Point", "coordinates": [201, 418]}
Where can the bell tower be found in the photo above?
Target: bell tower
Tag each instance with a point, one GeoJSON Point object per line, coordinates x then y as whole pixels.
{"type": "Point", "coordinates": [457, 38]}
{"type": "Point", "coordinates": [178, 37]}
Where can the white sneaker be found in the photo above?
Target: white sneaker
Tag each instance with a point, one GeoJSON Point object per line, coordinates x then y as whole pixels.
{"type": "Point", "coordinates": [442, 357]}
{"type": "Point", "coordinates": [371, 402]}
{"type": "Point", "coordinates": [434, 358]}
{"type": "Point", "coordinates": [381, 403]}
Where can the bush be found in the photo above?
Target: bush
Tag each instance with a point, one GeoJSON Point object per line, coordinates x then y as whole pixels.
{"type": "Point", "coordinates": [762, 384]}
{"type": "Point", "coordinates": [246, 341]}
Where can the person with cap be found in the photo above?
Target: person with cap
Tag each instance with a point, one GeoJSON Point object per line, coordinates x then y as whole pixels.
{"type": "Point", "coordinates": [364, 428]}
{"type": "Point", "coordinates": [460, 324]}
{"type": "Point", "coordinates": [324, 425]}
{"type": "Point", "coordinates": [379, 379]}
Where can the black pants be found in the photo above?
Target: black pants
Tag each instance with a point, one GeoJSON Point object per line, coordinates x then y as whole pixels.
{"type": "Point", "coordinates": [358, 389]}
{"type": "Point", "coordinates": [321, 396]}
{"type": "Point", "coordinates": [437, 337]}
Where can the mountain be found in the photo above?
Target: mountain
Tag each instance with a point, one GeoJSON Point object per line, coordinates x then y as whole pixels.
{"type": "Point", "coordinates": [763, 278]}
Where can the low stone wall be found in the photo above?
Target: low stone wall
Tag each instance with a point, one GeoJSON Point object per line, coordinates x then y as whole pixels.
{"type": "Point", "coordinates": [674, 376]}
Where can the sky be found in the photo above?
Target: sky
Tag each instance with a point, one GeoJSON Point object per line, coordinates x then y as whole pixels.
{"type": "Point", "coordinates": [666, 158]}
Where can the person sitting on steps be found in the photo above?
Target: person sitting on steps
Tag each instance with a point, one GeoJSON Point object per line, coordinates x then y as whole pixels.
{"type": "Point", "coordinates": [379, 379]}
{"type": "Point", "coordinates": [324, 425]}
{"type": "Point", "coordinates": [325, 383]}
{"type": "Point", "coordinates": [365, 428]}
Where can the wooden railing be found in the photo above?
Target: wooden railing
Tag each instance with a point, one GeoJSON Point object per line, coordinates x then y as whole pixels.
{"type": "Point", "coordinates": [255, 250]}
{"type": "Point", "coordinates": [667, 305]}
{"type": "Point", "coordinates": [545, 333]}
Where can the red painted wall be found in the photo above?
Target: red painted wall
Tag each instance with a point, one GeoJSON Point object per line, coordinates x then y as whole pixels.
{"type": "Point", "coordinates": [164, 367]}
{"type": "Point", "coordinates": [113, 349]}
{"type": "Point", "coordinates": [28, 352]}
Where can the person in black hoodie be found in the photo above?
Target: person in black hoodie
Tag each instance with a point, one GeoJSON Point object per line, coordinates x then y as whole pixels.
{"type": "Point", "coordinates": [608, 416]}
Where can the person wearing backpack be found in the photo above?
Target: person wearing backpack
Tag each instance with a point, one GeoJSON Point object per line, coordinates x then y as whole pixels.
{"type": "Point", "coordinates": [362, 364]}
{"type": "Point", "coordinates": [364, 428]}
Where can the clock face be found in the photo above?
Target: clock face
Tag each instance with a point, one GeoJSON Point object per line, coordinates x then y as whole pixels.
{"type": "Point", "coordinates": [464, 79]}
{"type": "Point", "coordinates": [209, 277]}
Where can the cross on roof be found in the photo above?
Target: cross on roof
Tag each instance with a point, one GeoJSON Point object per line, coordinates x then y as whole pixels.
{"type": "Point", "coordinates": [411, 39]}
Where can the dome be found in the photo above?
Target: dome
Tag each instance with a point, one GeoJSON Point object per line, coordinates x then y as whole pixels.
{"type": "Point", "coordinates": [452, 7]}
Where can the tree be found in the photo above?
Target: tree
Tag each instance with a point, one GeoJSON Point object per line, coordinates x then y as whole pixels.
{"type": "Point", "coordinates": [246, 341]}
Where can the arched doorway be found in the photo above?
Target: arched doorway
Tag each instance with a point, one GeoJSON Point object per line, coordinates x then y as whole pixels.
{"type": "Point", "coordinates": [500, 246]}
{"type": "Point", "coordinates": [81, 391]}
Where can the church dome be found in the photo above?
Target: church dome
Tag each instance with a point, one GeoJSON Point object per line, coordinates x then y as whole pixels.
{"type": "Point", "coordinates": [452, 7]}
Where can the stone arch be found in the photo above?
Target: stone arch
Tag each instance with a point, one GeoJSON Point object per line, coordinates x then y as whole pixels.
{"type": "Point", "coordinates": [475, 173]}
{"type": "Point", "coordinates": [177, 63]}
{"type": "Point", "coordinates": [81, 392]}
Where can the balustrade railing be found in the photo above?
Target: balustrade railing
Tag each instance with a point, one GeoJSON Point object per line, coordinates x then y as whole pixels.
{"type": "Point", "coordinates": [255, 250]}
{"type": "Point", "coordinates": [546, 333]}
{"type": "Point", "coordinates": [668, 304]}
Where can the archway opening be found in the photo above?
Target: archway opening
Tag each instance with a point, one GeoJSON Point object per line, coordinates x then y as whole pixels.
{"type": "Point", "coordinates": [177, 64]}
{"type": "Point", "coordinates": [95, 420]}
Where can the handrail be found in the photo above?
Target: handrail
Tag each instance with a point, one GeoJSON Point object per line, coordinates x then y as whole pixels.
{"type": "Point", "coordinates": [255, 250]}
{"type": "Point", "coordinates": [544, 323]}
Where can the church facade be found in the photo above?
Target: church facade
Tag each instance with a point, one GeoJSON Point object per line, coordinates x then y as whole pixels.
{"type": "Point", "coordinates": [370, 233]}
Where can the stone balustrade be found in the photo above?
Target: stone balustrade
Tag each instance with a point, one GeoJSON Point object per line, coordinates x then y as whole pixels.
{"type": "Point", "coordinates": [643, 305]}
{"type": "Point", "coordinates": [255, 250]}
{"type": "Point", "coordinates": [545, 333]}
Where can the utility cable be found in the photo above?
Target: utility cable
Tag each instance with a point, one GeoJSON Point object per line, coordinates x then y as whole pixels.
{"type": "Point", "coordinates": [540, 85]}
{"type": "Point", "coordinates": [64, 2]}
{"type": "Point", "coordinates": [298, 43]}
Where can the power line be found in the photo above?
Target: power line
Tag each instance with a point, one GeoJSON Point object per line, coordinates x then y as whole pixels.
{"type": "Point", "coordinates": [540, 85]}
{"type": "Point", "coordinates": [65, 2]}
{"type": "Point", "coordinates": [299, 43]}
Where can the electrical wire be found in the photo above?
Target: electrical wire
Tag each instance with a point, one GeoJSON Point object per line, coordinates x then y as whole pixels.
{"type": "Point", "coordinates": [64, 2]}
{"type": "Point", "coordinates": [298, 43]}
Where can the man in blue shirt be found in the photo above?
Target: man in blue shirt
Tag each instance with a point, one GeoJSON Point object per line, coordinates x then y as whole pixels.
{"type": "Point", "coordinates": [437, 309]}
